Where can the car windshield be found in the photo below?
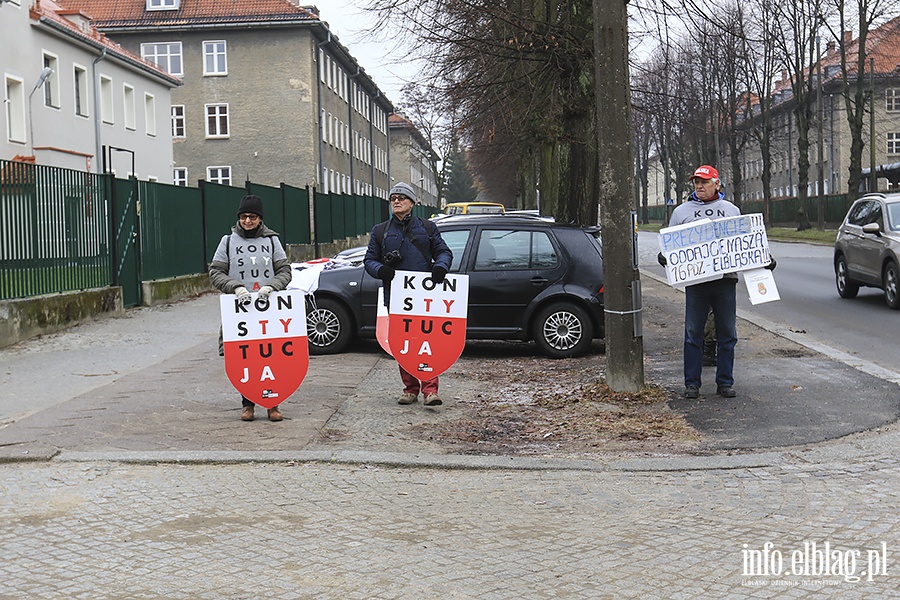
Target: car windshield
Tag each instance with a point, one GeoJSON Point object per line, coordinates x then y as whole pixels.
{"type": "Point", "coordinates": [893, 211]}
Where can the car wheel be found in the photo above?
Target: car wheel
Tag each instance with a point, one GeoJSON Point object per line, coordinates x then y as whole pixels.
{"type": "Point", "coordinates": [328, 327]}
{"type": "Point", "coordinates": [845, 287]}
{"type": "Point", "coordinates": [562, 330]}
{"type": "Point", "coordinates": [890, 283]}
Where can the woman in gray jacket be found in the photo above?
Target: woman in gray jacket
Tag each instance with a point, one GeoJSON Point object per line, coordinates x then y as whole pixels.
{"type": "Point", "coordinates": [250, 259]}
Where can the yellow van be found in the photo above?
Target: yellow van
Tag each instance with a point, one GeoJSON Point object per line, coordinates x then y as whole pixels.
{"type": "Point", "coordinates": [474, 208]}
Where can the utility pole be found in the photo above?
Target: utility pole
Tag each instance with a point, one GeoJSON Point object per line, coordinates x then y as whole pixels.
{"type": "Point", "coordinates": [874, 185]}
{"type": "Point", "coordinates": [622, 296]}
{"type": "Point", "coordinates": [820, 117]}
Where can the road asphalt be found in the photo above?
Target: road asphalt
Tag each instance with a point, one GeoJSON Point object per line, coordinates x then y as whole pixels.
{"type": "Point", "coordinates": [127, 473]}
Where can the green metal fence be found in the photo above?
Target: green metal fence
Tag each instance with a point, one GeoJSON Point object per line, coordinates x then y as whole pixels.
{"type": "Point", "coordinates": [784, 211]}
{"type": "Point", "coordinates": [55, 234]}
{"type": "Point", "coordinates": [64, 230]}
{"type": "Point", "coordinates": [171, 226]}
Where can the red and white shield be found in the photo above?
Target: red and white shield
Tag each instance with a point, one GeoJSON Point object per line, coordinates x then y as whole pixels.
{"type": "Point", "coordinates": [266, 351]}
{"type": "Point", "coordinates": [381, 323]}
{"type": "Point", "coordinates": [427, 322]}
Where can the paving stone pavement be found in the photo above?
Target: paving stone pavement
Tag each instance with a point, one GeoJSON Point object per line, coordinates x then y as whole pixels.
{"type": "Point", "coordinates": [146, 485]}
{"type": "Point", "coordinates": [105, 530]}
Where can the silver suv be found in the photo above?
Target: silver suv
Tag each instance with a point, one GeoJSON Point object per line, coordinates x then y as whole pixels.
{"type": "Point", "coordinates": [867, 249]}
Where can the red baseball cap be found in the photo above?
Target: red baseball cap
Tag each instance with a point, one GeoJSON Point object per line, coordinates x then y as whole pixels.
{"type": "Point", "coordinates": [705, 172]}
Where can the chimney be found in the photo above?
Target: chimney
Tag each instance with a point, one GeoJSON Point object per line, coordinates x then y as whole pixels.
{"type": "Point", "coordinates": [830, 47]}
{"type": "Point", "coordinates": [847, 38]}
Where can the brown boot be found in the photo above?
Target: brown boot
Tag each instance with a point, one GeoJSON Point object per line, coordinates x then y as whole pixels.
{"type": "Point", "coordinates": [275, 414]}
{"type": "Point", "coordinates": [247, 413]}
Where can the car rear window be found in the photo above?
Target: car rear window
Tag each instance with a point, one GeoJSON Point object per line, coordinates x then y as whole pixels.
{"type": "Point", "coordinates": [893, 211]}
{"type": "Point", "coordinates": [510, 249]}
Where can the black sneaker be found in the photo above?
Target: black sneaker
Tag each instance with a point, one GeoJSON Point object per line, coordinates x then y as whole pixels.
{"type": "Point", "coordinates": [709, 360]}
{"type": "Point", "coordinates": [692, 391]}
{"type": "Point", "coordinates": [726, 391]}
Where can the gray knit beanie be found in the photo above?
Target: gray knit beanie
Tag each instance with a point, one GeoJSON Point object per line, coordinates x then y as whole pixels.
{"type": "Point", "coordinates": [404, 189]}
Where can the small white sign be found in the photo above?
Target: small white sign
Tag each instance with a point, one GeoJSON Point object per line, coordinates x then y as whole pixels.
{"type": "Point", "coordinates": [761, 286]}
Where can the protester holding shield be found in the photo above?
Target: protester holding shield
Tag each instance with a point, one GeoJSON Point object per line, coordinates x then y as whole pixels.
{"type": "Point", "coordinates": [708, 202]}
{"type": "Point", "coordinates": [406, 242]}
{"type": "Point", "coordinates": [250, 259]}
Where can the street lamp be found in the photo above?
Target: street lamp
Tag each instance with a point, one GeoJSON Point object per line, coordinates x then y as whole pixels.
{"type": "Point", "coordinates": [46, 72]}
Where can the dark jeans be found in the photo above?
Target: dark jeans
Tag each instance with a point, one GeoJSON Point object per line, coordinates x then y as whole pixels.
{"type": "Point", "coordinates": [720, 296]}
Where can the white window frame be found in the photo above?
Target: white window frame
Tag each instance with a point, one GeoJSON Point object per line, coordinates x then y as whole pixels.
{"type": "Point", "coordinates": [107, 108]}
{"type": "Point", "coordinates": [16, 116]}
{"type": "Point", "coordinates": [130, 114]}
{"type": "Point", "coordinates": [163, 4]}
{"type": "Point", "coordinates": [892, 100]}
{"type": "Point", "coordinates": [178, 122]}
{"type": "Point", "coordinates": [80, 91]}
{"type": "Point", "coordinates": [893, 143]}
{"type": "Point", "coordinates": [219, 174]}
{"type": "Point", "coordinates": [180, 176]}
{"type": "Point", "coordinates": [51, 91]}
{"type": "Point", "coordinates": [221, 111]}
{"type": "Point", "coordinates": [212, 54]}
{"type": "Point", "coordinates": [150, 114]}
{"type": "Point", "coordinates": [150, 51]}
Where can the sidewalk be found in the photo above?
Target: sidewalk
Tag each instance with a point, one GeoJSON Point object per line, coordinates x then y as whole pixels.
{"type": "Point", "coordinates": [163, 395]}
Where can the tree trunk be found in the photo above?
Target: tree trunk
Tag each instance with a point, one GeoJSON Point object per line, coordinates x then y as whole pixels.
{"type": "Point", "coordinates": [624, 341]}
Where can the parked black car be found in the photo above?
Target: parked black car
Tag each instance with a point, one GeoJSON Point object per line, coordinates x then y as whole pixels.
{"type": "Point", "coordinates": [529, 279]}
{"type": "Point", "coordinates": [867, 248]}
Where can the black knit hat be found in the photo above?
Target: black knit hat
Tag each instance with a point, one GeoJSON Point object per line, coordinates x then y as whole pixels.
{"type": "Point", "coordinates": [251, 204]}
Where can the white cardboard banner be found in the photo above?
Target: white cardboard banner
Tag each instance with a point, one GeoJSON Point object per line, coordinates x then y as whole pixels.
{"type": "Point", "coordinates": [705, 250]}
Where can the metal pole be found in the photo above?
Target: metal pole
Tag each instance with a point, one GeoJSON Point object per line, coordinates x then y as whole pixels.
{"type": "Point", "coordinates": [874, 185]}
{"type": "Point", "coordinates": [820, 202]}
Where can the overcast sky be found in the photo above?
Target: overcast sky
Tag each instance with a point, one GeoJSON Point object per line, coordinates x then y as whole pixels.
{"type": "Point", "coordinates": [383, 62]}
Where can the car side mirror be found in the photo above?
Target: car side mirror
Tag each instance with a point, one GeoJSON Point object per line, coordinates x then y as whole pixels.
{"type": "Point", "coordinates": [873, 228]}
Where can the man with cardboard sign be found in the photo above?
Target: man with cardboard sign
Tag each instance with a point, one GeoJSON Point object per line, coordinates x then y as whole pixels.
{"type": "Point", "coordinates": [427, 322]}
{"type": "Point", "coordinates": [708, 242]}
{"type": "Point", "coordinates": [266, 350]}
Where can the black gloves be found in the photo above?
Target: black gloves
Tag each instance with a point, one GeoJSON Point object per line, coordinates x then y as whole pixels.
{"type": "Point", "coordinates": [771, 265]}
{"type": "Point", "coordinates": [438, 273]}
{"type": "Point", "coordinates": [661, 259]}
{"type": "Point", "coordinates": [386, 273]}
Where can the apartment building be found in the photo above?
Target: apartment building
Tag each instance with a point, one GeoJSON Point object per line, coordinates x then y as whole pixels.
{"type": "Point", "coordinates": [269, 94]}
{"type": "Point", "coordinates": [411, 158]}
{"type": "Point", "coordinates": [74, 99]}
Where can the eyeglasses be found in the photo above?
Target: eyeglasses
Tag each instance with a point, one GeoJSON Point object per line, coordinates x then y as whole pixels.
{"type": "Point", "coordinates": [248, 217]}
{"type": "Point", "coordinates": [397, 197]}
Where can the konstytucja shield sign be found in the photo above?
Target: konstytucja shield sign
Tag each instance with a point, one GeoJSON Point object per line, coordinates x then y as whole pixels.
{"type": "Point", "coordinates": [427, 321]}
{"type": "Point", "coordinates": [706, 250]}
{"type": "Point", "coordinates": [266, 351]}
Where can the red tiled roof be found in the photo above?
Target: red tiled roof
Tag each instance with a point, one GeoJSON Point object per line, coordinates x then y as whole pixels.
{"type": "Point", "coordinates": [134, 13]}
{"type": "Point", "coordinates": [882, 45]}
{"type": "Point", "coordinates": [51, 11]}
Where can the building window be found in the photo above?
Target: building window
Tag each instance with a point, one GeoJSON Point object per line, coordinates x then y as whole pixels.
{"type": "Point", "coordinates": [81, 91]}
{"type": "Point", "coordinates": [179, 177]}
{"type": "Point", "coordinates": [130, 118]}
{"type": "Point", "coordinates": [178, 121]}
{"type": "Point", "coordinates": [217, 121]}
{"type": "Point", "coordinates": [107, 112]}
{"type": "Point", "coordinates": [893, 143]}
{"type": "Point", "coordinates": [150, 114]}
{"type": "Point", "coordinates": [51, 85]}
{"type": "Point", "coordinates": [162, 4]}
{"type": "Point", "coordinates": [15, 110]}
{"type": "Point", "coordinates": [220, 175]}
{"type": "Point", "coordinates": [892, 99]}
{"type": "Point", "coordinates": [165, 55]}
{"type": "Point", "coordinates": [214, 59]}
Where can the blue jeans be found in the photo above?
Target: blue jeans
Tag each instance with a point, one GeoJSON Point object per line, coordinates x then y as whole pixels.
{"type": "Point", "coordinates": [720, 295]}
